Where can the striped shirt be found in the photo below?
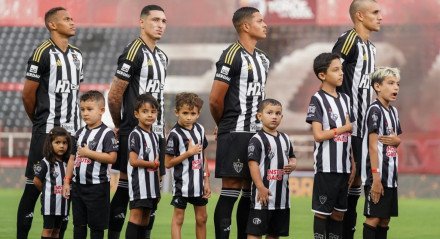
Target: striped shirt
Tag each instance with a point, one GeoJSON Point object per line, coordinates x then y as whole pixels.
{"type": "Point", "coordinates": [358, 60]}
{"type": "Point", "coordinates": [272, 153]}
{"type": "Point", "coordinates": [143, 183]}
{"type": "Point", "coordinates": [331, 156]}
{"type": "Point", "coordinates": [52, 201]}
{"type": "Point", "coordinates": [145, 71]}
{"type": "Point", "coordinates": [246, 75]}
{"type": "Point", "coordinates": [59, 75]}
{"type": "Point", "coordinates": [381, 121]}
{"type": "Point", "coordinates": [188, 175]}
{"type": "Point", "coordinates": [99, 139]}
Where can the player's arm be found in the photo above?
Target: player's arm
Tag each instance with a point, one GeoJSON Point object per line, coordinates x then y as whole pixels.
{"type": "Point", "coordinates": [377, 188]}
{"type": "Point", "coordinates": [392, 140]}
{"type": "Point", "coordinates": [38, 184]}
{"type": "Point", "coordinates": [29, 97]}
{"type": "Point", "coordinates": [115, 95]}
{"type": "Point", "coordinates": [102, 157]}
{"type": "Point", "coordinates": [321, 135]}
{"type": "Point", "coordinates": [263, 192]}
{"type": "Point", "coordinates": [69, 175]}
{"type": "Point", "coordinates": [206, 182]}
{"type": "Point", "coordinates": [217, 99]}
{"type": "Point", "coordinates": [139, 163]}
{"type": "Point", "coordinates": [193, 149]}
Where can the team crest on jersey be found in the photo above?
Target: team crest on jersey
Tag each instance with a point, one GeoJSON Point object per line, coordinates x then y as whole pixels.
{"type": "Point", "coordinates": [76, 60]}
{"type": "Point", "coordinates": [163, 59]}
{"type": "Point", "coordinates": [322, 199]}
{"type": "Point", "coordinates": [270, 153]}
{"type": "Point", "coordinates": [147, 149]}
{"type": "Point", "coordinates": [54, 173]}
{"type": "Point", "coordinates": [238, 166]}
{"type": "Point", "coordinates": [265, 62]}
{"type": "Point", "coordinates": [334, 117]}
{"type": "Point", "coordinates": [37, 168]}
{"type": "Point", "coordinates": [389, 130]}
{"type": "Point", "coordinates": [92, 144]}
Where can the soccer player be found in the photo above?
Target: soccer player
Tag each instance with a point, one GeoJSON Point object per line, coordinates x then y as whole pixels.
{"type": "Point", "coordinates": [329, 114]}
{"type": "Point", "coordinates": [380, 159]}
{"type": "Point", "coordinates": [237, 89]}
{"type": "Point", "coordinates": [141, 69]}
{"type": "Point", "coordinates": [185, 155]}
{"type": "Point", "coordinates": [142, 168]}
{"type": "Point", "coordinates": [49, 181]}
{"type": "Point", "coordinates": [50, 94]}
{"type": "Point", "coordinates": [358, 55]}
{"type": "Point", "coordinates": [271, 160]}
{"type": "Point", "coordinates": [95, 149]}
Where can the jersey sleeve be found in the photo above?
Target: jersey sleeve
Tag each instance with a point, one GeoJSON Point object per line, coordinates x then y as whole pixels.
{"type": "Point", "coordinates": [254, 150]}
{"type": "Point", "coordinates": [41, 171]}
{"type": "Point", "coordinates": [291, 153]}
{"type": "Point", "coordinates": [344, 45]}
{"type": "Point", "coordinates": [228, 64]}
{"type": "Point", "coordinates": [128, 62]}
{"type": "Point", "coordinates": [314, 111]}
{"type": "Point", "coordinates": [134, 143]}
{"type": "Point", "coordinates": [109, 143]}
{"type": "Point", "coordinates": [172, 145]}
{"type": "Point", "coordinates": [373, 120]}
{"type": "Point", "coordinates": [38, 65]}
{"type": "Point", "coordinates": [399, 129]}
{"type": "Point", "coordinates": [205, 142]}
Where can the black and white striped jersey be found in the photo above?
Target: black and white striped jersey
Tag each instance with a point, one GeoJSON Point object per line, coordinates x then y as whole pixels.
{"type": "Point", "coordinates": [188, 175]}
{"type": "Point", "coordinates": [381, 121]}
{"type": "Point", "coordinates": [52, 176]}
{"type": "Point", "coordinates": [246, 75]}
{"type": "Point", "coordinates": [59, 75]}
{"type": "Point", "coordinates": [358, 60]}
{"type": "Point", "coordinates": [331, 156]}
{"type": "Point", "coordinates": [143, 183]}
{"type": "Point", "coordinates": [99, 139]}
{"type": "Point", "coordinates": [272, 153]}
{"type": "Point", "coordinates": [145, 71]}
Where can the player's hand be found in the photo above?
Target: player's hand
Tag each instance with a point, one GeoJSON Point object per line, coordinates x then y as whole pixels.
{"type": "Point", "coordinates": [116, 131]}
{"type": "Point", "coordinates": [215, 133]}
{"type": "Point", "coordinates": [207, 190]}
{"type": "Point", "coordinates": [289, 167]}
{"type": "Point", "coordinates": [352, 174]}
{"type": "Point", "coordinates": [194, 149]}
{"type": "Point", "coordinates": [348, 126]}
{"type": "Point", "coordinates": [263, 196]}
{"type": "Point", "coordinates": [66, 190]}
{"type": "Point", "coordinates": [83, 151]}
{"type": "Point", "coordinates": [376, 191]}
{"type": "Point", "coordinates": [392, 140]}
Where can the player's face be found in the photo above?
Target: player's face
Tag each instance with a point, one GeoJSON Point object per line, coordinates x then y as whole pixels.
{"type": "Point", "coordinates": [256, 26]}
{"type": "Point", "coordinates": [271, 117]}
{"type": "Point", "coordinates": [153, 26]}
{"type": "Point", "coordinates": [186, 117]}
{"type": "Point", "coordinates": [146, 116]}
{"type": "Point", "coordinates": [334, 74]}
{"type": "Point", "coordinates": [64, 24]}
{"type": "Point", "coordinates": [371, 16]}
{"type": "Point", "coordinates": [91, 112]}
{"type": "Point", "coordinates": [60, 145]}
{"type": "Point", "coordinates": [389, 89]}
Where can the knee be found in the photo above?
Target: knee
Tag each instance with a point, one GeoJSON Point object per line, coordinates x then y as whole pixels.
{"type": "Point", "coordinates": [55, 233]}
{"type": "Point", "coordinates": [178, 218]}
{"type": "Point", "coordinates": [384, 222]}
{"type": "Point", "coordinates": [372, 221]}
{"type": "Point", "coordinates": [232, 183]}
{"type": "Point", "coordinates": [337, 216]}
{"type": "Point", "coordinates": [201, 219]}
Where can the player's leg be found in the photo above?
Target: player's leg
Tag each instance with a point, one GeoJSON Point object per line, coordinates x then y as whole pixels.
{"type": "Point", "coordinates": [382, 228]}
{"type": "Point", "coordinates": [323, 202]}
{"type": "Point", "coordinates": [134, 222]}
{"type": "Point", "coordinates": [258, 223]}
{"type": "Point", "coordinates": [57, 226]}
{"type": "Point", "coordinates": [372, 213]}
{"type": "Point", "coordinates": [334, 224]}
{"type": "Point", "coordinates": [145, 220]}
{"type": "Point", "coordinates": [177, 222]}
{"type": "Point", "coordinates": [97, 200]}
{"type": "Point", "coordinates": [201, 218]}
{"type": "Point", "coordinates": [278, 223]}
{"type": "Point", "coordinates": [63, 226]}
{"type": "Point", "coordinates": [48, 225]}
{"type": "Point", "coordinates": [335, 221]}
{"type": "Point", "coordinates": [244, 204]}
{"type": "Point", "coordinates": [79, 211]}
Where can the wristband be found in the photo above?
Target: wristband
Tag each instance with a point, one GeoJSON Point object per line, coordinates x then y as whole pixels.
{"type": "Point", "coordinates": [156, 164]}
{"type": "Point", "coordinates": [334, 131]}
{"type": "Point", "coordinates": [375, 170]}
{"type": "Point", "coordinates": [207, 174]}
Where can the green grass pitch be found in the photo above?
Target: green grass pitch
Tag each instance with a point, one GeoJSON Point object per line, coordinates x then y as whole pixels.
{"type": "Point", "coordinates": [418, 219]}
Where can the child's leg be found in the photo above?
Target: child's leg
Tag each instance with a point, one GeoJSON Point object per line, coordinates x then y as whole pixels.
{"type": "Point", "coordinates": [249, 236]}
{"type": "Point", "coordinates": [370, 225]}
{"type": "Point", "coordinates": [144, 225]}
{"type": "Point", "coordinates": [382, 229]}
{"type": "Point", "coordinates": [134, 222]}
{"type": "Point", "coordinates": [319, 225]}
{"type": "Point", "coordinates": [335, 224]}
{"type": "Point", "coordinates": [56, 233]}
{"type": "Point", "coordinates": [201, 218]}
{"type": "Point", "coordinates": [46, 233]}
{"type": "Point", "coordinates": [271, 237]}
{"type": "Point", "coordinates": [176, 223]}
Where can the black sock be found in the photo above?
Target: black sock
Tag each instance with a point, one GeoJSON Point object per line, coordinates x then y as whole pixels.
{"type": "Point", "coordinates": [381, 232]}
{"type": "Point", "coordinates": [63, 228]}
{"type": "Point", "coordinates": [369, 232]}
{"type": "Point", "coordinates": [118, 209]}
{"type": "Point", "coordinates": [334, 229]}
{"type": "Point", "coordinates": [25, 212]}
{"type": "Point", "coordinates": [244, 205]}
{"type": "Point", "coordinates": [42, 237]}
{"type": "Point", "coordinates": [96, 234]}
{"type": "Point", "coordinates": [150, 224]}
{"type": "Point", "coordinates": [319, 227]}
{"type": "Point", "coordinates": [350, 216]}
{"type": "Point", "coordinates": [223, 211]}
{"type": "Point", "coordinates": [141, 232]}
{"type": "Point", "coordinates": [132, 231]}
{"type": "Point", "coordinates": [80, 232]}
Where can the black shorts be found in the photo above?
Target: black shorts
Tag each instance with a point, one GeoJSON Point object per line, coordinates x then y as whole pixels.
{"type": "Point", "coordinates": [268, 222]}
{"type": "Point", "coordinates": [52, 221]}
{"type": "Point", "coordinates": [35, 154]}
{"type": "Point", "coordinates": [91, 205]}
{"type": "Point", "coordinates": [386, 207]}
{"type": "Point", "coordinates": [356, 145]}
{"type": "Point", "coordinates": [150, 203]}
{"type": "Point", "coordinates": [231, 156]}
{"type": "Point", "coordinates": [330, 192]}
{"type": "Point", "coordinates": [180, 202]}
{"type": "Point", "coordinates": [122, 158]}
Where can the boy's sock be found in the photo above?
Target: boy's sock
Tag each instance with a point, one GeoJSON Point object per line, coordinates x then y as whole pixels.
{"type": "Point", "coordinates": [63, 228]}
{"type": "Point", "coordinates": [142, 230]}
{"type": "Point", "coordinates": [350, 217]}
{"type": "Point", "coordinates": [319, 227]}
{"type": "Point", "coordinates": [223, 211]}
{"type": "Point", "coordinates": [244, 205]}
{"type": "Point", "coordinates": [381, 232]}
{"type": "Point", "coordinates": [150, 224]}
{"type": "Point", "coordinates": [369, 232]}
{"type": "Point", "coordinates": [334, 228]}
{"type": "Point", "coordinates": [132, 231]}
{"type": "Point", "coordinates": [96, 234]}
{"type": "Point", "coordinates": [80, 232]}
{"type": "Point", "coordinates": [118, 209]}
{"type": "Point", "coordinates": [25, 212]}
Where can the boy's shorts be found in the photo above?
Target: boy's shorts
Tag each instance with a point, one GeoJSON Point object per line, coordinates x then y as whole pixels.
{"type": "Point", "coordinates": [356, 145]}
{"type": "Point", "coordinates": [330, 192]}
{"type": "Point", "coordinates": [149, 203]}
{"type": "Point", "coordinates": [232, 156]}
{"type": "Point", "coordinates": [268, 222]}
{"type": "Point", "coordinates": [180, 202]}
{"type": "Point", "coordinates": [91, 205]}
{"type": "Point", "coordinates": [386, 207]}
{"type": "Point", "coordinates": [52, 221]}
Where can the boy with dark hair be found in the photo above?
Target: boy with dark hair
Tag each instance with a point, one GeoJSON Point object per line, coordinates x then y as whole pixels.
{"type": "Point", "coordinates": [271, 160]}
{"type": "Point", "coordinates": [380, 159]}
{"type": "Point", "coordinates": [185, 155]}
{"type": "Point", "coordinates": [330, 115]}
{"type": "Point", "coordinates": [238, 87]}
{"type": "Point", "coordinates": [95, 150]}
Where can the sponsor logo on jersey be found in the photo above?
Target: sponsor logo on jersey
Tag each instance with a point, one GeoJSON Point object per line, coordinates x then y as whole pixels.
{"type": "Point", "coordinates": [342, 137]}
{"type": "Point", "coordinates": [221, 76]}
{"type": "Point", "coordinates": [69, 127]}
{"type": "Point", "coordinates": [254, 89]}
{"type": "Point", "coordinates": [63, 86]}
{"type": "Point", "coordinates": [154, 86]}
{"type": "Point", "coordinates": [391, 151]}
{"type": "Point", "coordinates": [225, 70]}
{"type": "Point", "coordinates": [58, 189]}
{"type": "Point", "coordinates": [251, 149]}
{"type": "Point", "coordinates": [274, 174]}
{"type": "Point", "coordinates": [125, 67]}
{"type": "Point", "coordinates": [365, 82]}
{"type": "Point", "coordinates": [33, 69]}
{"type": "Point", "coordinates": [196, 164]}
{"type": "Point", "coordinates": [82, 160]}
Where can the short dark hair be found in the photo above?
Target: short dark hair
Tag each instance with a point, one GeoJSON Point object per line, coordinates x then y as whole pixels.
{"type": "Point", "coordinates": [48, 149]}
{"type": "Point", "coordinates": [146, 98]}
{"type": "Point", "coordinates": [322, 62]}
{"type": "Point", "coordinates": [267, 102]}
{"type": "Point", "coordinates": [190, 99]}
{"type": "Point", "coordinates": [356, 6]}
{"type": "Point", "coordinates": [92, 95]}
{"type": "Point", "coordinates": [146, 10]}
{"type": "Point", "coordinates": [50, 13]}
{"type": "Point", "coordinates": [242, 14]}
